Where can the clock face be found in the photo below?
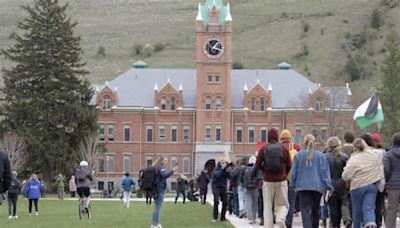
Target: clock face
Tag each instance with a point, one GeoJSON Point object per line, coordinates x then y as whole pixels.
{"type": "Point", "coordinates": [213, 48]}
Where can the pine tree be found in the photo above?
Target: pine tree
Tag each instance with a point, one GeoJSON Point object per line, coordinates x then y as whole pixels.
{"type": "Point", "coordinates": [47, 98]}
{"type": "Point", "coordinates": [390, 89]}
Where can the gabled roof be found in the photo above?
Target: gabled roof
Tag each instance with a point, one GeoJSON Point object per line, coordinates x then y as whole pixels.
{"type": "Point", "coordinates": [206, 8]}
{"type": "Point", "coordinates": [136, 86]}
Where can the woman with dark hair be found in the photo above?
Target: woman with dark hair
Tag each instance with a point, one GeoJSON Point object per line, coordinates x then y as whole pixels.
{"type": "Point", "coordinates": [373, 141]}
{"type": "Point", "coordinates": [363, 170]}
{"type": "Point", "coordinates": [161, 180]}
{"type": "Point", "coordinates": [338, 200]}
{"type": "Point", "coordinates": [391, 162]}
{"type": "Point", "coordinates": [310, 179]}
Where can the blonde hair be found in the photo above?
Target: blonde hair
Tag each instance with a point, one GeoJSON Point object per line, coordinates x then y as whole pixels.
{"type": "Point", "coordinates": [158, 162]}
{"type": "Point", "coordinates": [309, 143]}
{"type": "Point", "coordinates": [334, 144]}
{"type": "Point", "coordinates": [359, 144]}
{"type": "Point", "coordinates": [34, 176]}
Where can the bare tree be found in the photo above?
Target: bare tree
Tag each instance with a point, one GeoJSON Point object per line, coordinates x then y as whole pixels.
{"type": "Point", "coordinates": [15, 147]}
{"type": "Point", "coordinates": [91, 150]}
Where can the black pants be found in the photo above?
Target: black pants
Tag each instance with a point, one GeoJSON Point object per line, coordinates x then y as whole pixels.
{"type": "Point", "coordinates": [149, 196]}
{"type": "Point", "coordinates": [220, 194]}
{"type": "Point", "coordinates": [36, 202]}
{"type": "Point", "coordinates": [379, 208]}
{"type": "Point", "coordinates": [335, 211]}
{"type": "Point", "coordinates": [309, 207]}
{"type": "Point", "coordinates": [73, 194]}
{"type": "Point", "coordinates": [178, 193]}
{"type": "Point", "coordinates": [260, 204]}
{"type": "Point", "coordinates": [230, 202]}
{"type": "Point", "coordinates": [12, 204]}
{"type": "Point", "coordinates": [203, 195]}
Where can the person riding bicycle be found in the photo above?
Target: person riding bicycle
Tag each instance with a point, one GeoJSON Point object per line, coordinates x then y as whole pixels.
{"type": "Point", "coordinates": [83, 177]}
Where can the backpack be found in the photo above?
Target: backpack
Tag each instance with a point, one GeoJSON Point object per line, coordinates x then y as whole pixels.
{"type": "Point", "coordinates": [249, 178]}
{"type": "Point", "coordinates": [292, 151]}
{"type": "Point", "coordinates": [80, 174]}
{"type": "Point", "coordinates": [15, 187]}
{"type": "Point", "coordinates": [148, 179]}
{"type": "Point", "coordinates": [273, 158]}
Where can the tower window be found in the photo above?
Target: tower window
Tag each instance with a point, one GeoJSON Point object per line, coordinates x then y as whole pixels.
{"type": "Point", "coordinates": [218, 104]}
{"type": "Point", "coordinates": [172, 103]}
{"type": "Point", "coordinates": [319, 104]}
{"type": "Point", "coordinates": [106, 102]}
{"type": "Point", "coordinates": [208, 103]}
{"type": "Point", "coordinates": [262, 104]}
{"type": "Point", "coordinates": [163, 103]}
{"type": "Point", "coordinates": [253, 104]}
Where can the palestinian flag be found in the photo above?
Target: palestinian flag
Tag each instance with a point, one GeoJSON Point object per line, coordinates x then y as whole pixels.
{"type": "Point", "coordinates": [369, 112]}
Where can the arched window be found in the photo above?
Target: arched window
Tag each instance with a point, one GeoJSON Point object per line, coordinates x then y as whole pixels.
{"type": "Point", "coordinates": [218, 104]}
{"type": "Point", "coordinates": [172, 103]}
{"type": "Point", "coordinates": [106, 102]}
{"type": "Point", "coordinates": [208, 103]}
{"type": "Point", "coordinates": [253, 104]}
{"type": "Point", "coordinates": [163, 103]}
{"type": "Point", "coordinates": [262, 104]}
{"type": "Point", "coordinates": [319, 104]}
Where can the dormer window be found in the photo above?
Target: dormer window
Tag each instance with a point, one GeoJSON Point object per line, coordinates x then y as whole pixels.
{"type": "Point", "coordinates": [319, 104]}
{"type": "Point", "coordinates": [262, 104]}
{"type": "Point", "coordinates": [218, 104]}
{"type": "Point", "coordinates": [163, 103]}
{"type": "Point", "coordinates": [106, 102]}
{"type": "Point", "coordinates": [172, 103]}
{"type": "Point", "coordinates": [208, 103]}
{"type": "Point", "coordinates": [253, 104]}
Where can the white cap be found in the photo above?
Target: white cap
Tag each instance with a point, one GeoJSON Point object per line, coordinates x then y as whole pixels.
{"type": "Point", "coordinates": [84, 163]}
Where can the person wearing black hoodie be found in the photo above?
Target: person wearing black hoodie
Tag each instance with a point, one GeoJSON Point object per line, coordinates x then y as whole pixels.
{"type": "Point", "coordinates": [202, 182]}
{"type": "Point", "coordinates": [219, 187]}
{"type": "Point", "coordinates": [391, 161]}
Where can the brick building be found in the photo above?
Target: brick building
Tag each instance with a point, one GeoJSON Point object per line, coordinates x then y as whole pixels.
{"type": "Point", "coordinates": [192, 116]}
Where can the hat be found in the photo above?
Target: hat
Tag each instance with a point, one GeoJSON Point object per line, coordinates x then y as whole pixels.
{"type": "Point", "coordinates": [285, 134]}
{"type": "Point", "coordinates": [376, 137]}
{"type": "Point", "coordinates": [252, 160]}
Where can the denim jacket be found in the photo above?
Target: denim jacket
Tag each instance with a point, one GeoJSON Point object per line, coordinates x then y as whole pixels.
{"type": "Point", "coordinates": [311, 178]}
{"type": "Point", "coordinates": [161, 178]}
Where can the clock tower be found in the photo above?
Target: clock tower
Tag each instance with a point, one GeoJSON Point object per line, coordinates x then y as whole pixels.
{"type": "Point", "coordinates": [213, 81]}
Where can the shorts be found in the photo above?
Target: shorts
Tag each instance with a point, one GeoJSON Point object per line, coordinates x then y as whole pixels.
{"type": "Point", "coordinates": [83, 191]}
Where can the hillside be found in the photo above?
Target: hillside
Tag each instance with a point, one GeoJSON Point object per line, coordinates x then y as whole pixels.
{"type": "Point", "coordinates": [316, 36]}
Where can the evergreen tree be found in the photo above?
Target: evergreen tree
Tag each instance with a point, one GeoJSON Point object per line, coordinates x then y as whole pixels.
{"type": "Point", "coordinates": [390, 89]}
{"type": "Point", "coordinates": [47, 98]}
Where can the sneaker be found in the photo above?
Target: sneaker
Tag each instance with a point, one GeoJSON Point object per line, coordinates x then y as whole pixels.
{"type": "Point", "coordinates": [213, 220]}
{"type": "Point", "coordinates": [16, 217]}
{"type": "Point", "coordinates": [159, 226]}
{"type": "Point", "coordinates": [36, 213]}
{"type": "Point", "coordinates": [10, 217]}
{"type": "Point", "coordinates": [262, 222]}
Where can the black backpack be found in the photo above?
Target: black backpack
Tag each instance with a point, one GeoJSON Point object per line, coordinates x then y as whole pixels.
{"type": "Point", "coordinates": [273, 158]}
{"type": "Point", "coordinates": [15, 187]}
{"type": "Point", "coordinates": [148, 179]}
{"type": "Point", "coordinates": [250, 178]}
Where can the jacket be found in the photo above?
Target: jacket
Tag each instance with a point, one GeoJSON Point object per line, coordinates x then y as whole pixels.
{"type": "Point", "coordinates": [274, 177]}
{"type": "Point", "coordinates": [181, 184]}
{"type": "Point", "coordinates": [203, 180]}
{"type": "Point", "coordinates": [336, 166]}
{"type": "Point", "coordinates": [347, 148]}
{"type": "Point", "coordinates": [15, 187]}
{"type": "Point", "coordinates": [127, 183]}
{"type": "Point", "coordinates": [219, 178]}
{"type": "Point", "coordinates": [315, 177]}
{"type": "Point", "coordinates": [72, 185]}
{"type": "Point", "coordinates": [363, 168]}
{"type": "Point", "coordinates": [86, 182]}
{"type": "Point", "coordinates": [161, 177]}
{"type": "Point", "coordinates": [33, 189]}
{"type": "Point", "coordinates": [391, 163]}
{"type": "Point", "coordinates": [5, 172]}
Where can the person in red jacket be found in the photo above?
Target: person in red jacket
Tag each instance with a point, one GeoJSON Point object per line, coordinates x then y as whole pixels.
{"type": "Point", "coordinates": [274, 161]}
{"type": "Point", "coordinates": [291, 147]}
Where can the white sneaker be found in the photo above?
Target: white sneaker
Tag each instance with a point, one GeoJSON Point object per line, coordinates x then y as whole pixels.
{"type": "Point", "coordinates": [16, 217]}
{"type": "Point", "coordinates": [36, 213]}
{"type": "Point", "coordinates": [10, 217]}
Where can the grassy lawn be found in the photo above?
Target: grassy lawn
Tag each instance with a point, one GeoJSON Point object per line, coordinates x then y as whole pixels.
{"type": "Point", "coordinates": [53, 213]}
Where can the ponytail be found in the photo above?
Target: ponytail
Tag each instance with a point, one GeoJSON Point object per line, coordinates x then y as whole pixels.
{"type": "Point", "coordinates": [309, 141]}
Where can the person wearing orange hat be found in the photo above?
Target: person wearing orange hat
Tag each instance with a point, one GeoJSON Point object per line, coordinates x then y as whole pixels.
{"type": "Point", "coordinates": [293, 148]}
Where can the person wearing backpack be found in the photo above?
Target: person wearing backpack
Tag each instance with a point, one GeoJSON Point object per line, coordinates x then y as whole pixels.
{"type": "Point", "coordinates": [127, 184]}
{"type": "Point", "coordinates": [249, 180]}
{"type": "Point", "coordinates": [83, 177]}
{"type": "Point", "coordinates": [148, 182]}
{"type": "Point", "coordinates": [293, 148]}
{"type": "Point", "coordinates": [310, 178]}
{"type": "Point", "coordinates": [274, 161]}
{"type": "Point", "coordinates": [12, 195]}
{"type": "Point", "coordinates": [5, 174]}
{"type": "Point", "coordinates": [203, 181]}
{"type": "Point", "coordinates": [161, 183]}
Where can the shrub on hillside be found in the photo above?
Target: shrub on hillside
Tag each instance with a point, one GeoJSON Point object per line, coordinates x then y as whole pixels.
{"type": "Point", "coordinates": [158, 46]}
{"type": "Point", "coordinates": [137, 48]}
{"type": "Point", "coordinates": [376, 19]}
{"type": "Point", "coordinates": [303, 51]}
{"type": "Point", "coordinates": [355, 68]}
{"type": "Point", "coordinates": [306, 25]}
{"type": "Point", "coordinates": [237, 65]}
{"type": "Point", "coordinates": [101, 51]}
{"type": "Point", "coordinates": [12, 35]}
{"type": "Point", "coordinates": [147, 50]}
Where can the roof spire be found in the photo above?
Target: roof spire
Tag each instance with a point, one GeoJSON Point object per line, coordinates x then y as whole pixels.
{"type": "Point", "coordinates": [245, 87]}
{"type": "Point", "coordinates": [228, 13]}
{"type": "Point", "coordinates": [270, 87]}
{"type": "Point", "coordinates": [180, 87]}
{"type": "Point", "coordinates": [258, 81]}
{"type": "Point", "coordinates": [199, 17]}
{"type": "Point", "coordinates": [155, 87]}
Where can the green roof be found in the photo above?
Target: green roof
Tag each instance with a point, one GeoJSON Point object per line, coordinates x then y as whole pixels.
{"type": "Point", "coordinates": [205, 10]}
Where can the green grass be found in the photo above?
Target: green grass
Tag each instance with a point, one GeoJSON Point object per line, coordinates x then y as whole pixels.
{"type": "Point", "coordinates": [54, 213]}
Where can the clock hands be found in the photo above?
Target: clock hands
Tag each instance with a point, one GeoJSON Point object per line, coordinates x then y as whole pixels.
{"type": "Point", "coordinates": [215, 46]}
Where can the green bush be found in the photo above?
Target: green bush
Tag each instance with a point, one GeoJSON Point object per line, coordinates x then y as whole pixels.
{"type": "Point", "coordinates": [306, 25]}
{"type": "Point", "coordinates": [147, 50]}
{"type": "Point", "coordinates": [376, 19]}
{"type": "Point", "coordinates": [137, 49]}
{"type": "Point", "coordinates": [158, 46]}
{"type": "Point", "coordinates": [101, 51]}
{"type": "Point", "coordinates": [237, 65]}
{"type": "Point", "coordinates": [12, 35]}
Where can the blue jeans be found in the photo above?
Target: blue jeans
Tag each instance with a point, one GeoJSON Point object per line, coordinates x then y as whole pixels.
{"type": "Point", "coordinates": [157, 207]}
{"type": "Point", "coordinates": [363, 200]}
{"type": "Point", "coordinates": [235, 201]}
{"type": "Point", "coordinates": [309, 207]}
{"type": "Point", "coordinates": [292, 201]}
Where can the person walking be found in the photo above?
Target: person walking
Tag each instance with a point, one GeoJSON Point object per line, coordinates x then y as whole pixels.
{"type": "Point", "coordinates": [5, 174]}
{"type": "Point", "coordinates": [203, 181]}
{"type": "Point", "coordinates": [363, 171]}
{"type": "Point", "coordinates": [310, 179]}
{"type": "Point", "coordinates": [83, 177]}
{"type": "Point", "coordinates": [391, 161]}
{"type": "Point", "coordinates": [234, 185]}
{"type": "Point", "coordinates": [241, 166]}
{"type": "Point", "coordinates": [348, 147]}
{"type": "Point", "coordinates": [161, 183]}
{"type": "Point", "coordinates": [337, 202]}
{"type": "Point", "coordinates": [72, 186]}
{"type": "Point", "coordinates": [249, 181]}
{"type": "Point", "coordinates": [33, 191]}
{"type": "Point", "coordinates": [12, 195]}
{"type": "Point", "coordinates": [293, 148]}
{"type": "Point", "coordinates": [274, 161]}
{"type": "Point", "coordinates": [60, 186]}
{"type": "Point", "coordinates": [127, 184]}
{"type": "Point", "coordinates": [219, 188]}
{"type": "Point", "coordinates": [181, 184]}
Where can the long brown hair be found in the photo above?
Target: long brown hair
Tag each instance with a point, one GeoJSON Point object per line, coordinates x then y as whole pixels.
{"type": "Point", "coordinates": [309, 143]}
{"type": "Point", "coordinates": [333, 144]}
{"type": "Point", "coordinates": [158, 162]}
